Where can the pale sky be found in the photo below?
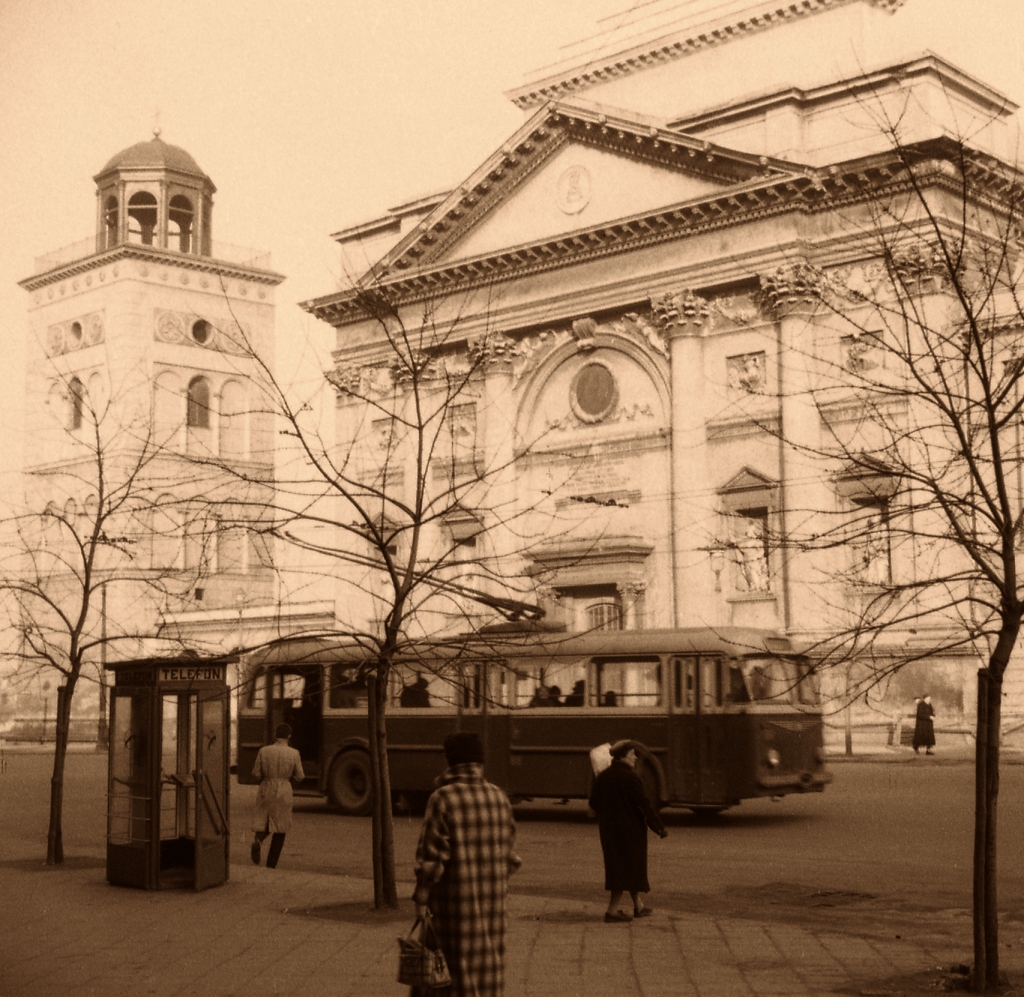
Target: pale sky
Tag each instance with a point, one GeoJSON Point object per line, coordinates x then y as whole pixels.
{"type": "Point", "coordinates": [308, 115]}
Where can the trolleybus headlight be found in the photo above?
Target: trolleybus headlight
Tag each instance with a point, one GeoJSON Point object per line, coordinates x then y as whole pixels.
{"type": "Point", "coordinates": [773, 758]}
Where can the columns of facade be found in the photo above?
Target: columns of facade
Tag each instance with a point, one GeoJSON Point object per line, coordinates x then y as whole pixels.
{"type": "Point", "coordinates": [682, 317]}
{"type": "Point", "coordinates": [805, 499]}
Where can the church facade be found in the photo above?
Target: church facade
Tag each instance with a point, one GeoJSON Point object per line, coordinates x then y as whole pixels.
{"type": "Point", "coordinates": [634, 279]}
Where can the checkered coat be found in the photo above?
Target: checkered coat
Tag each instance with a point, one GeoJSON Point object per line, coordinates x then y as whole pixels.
{"type": "Point", "coordinates": [464, 858]}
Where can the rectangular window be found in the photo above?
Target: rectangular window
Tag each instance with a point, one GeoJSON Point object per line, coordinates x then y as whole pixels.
{"type": "Point", "coordinates": [347, 689]}
{"type": "Point", "coordinates": [629, 682]}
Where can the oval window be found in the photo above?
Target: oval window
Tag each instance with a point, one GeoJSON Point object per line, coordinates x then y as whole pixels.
{"type": "Point", "coordinates": [201, 331]}
{"type": "Point", "coordinates": [594, 392]}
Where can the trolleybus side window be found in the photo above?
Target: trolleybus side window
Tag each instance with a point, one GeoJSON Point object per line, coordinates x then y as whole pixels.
{"type": "Point", "coordinates": [632, 682]}
{"type": "Point", "coordinates": [549, 682]}
{"type": "Point", "coordinates": [457, 687]}
{"type": "Point", "coordinates": [348, 688]}
{"type": "Point", "coordinates": [684, 677]}
{"type": "Point", "coordinates": [737, 686]}
{"type": "Point", "coordinates": [710, 684]}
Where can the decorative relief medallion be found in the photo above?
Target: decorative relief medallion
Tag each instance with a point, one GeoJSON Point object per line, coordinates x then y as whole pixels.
{"type": "Point", "coordinates": [746, 374]}
{"type": "Point", "coordinates": [54, 340]}
{"type": "Point", "coordinates": [572, 193]}
{"type": "Point", "coordinates": [170, 327]}
{"type": "Point", "coordinates": [88, 279]}
{"type": "Point", "coordinates": [94, 330]}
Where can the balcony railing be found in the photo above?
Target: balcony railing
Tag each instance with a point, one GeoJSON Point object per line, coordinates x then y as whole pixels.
{"type": "Point", "coordinates": [239, 255]}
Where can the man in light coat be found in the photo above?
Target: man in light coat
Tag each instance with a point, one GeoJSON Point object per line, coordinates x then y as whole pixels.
{"type": "Point", "coordinates": [465, 855]}
{"type": "Point", "coordinates": [276, 766]}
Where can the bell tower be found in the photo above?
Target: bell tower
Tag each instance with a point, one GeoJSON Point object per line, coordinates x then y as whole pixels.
{"type": "Point", "coordinates": [156, 327]}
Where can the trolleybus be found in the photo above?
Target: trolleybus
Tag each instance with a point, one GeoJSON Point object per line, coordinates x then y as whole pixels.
{"type": "Point", "coordinates": [719, 715]}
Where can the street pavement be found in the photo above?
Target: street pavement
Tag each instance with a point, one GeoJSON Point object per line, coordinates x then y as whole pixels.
{"type": "Point", "coordinates": [276, 932]}
{"type": "Point", "coordinates": [65, 931]}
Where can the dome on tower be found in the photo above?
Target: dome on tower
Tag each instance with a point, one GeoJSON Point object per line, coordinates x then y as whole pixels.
{"type": "Point", "coordinates": [154, 154]}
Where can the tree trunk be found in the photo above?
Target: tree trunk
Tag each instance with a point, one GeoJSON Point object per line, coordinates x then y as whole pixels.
{"type": "Point", "coordinates": [995, 687]}
{"type": "Point", "coordinates": [55, 831]}
{"type": "Point", "coordinates": [385, 889]}
{"type": "Point", "coordinates": [980, 972]}
{"type": "Point", "coordinates": [375, 769]}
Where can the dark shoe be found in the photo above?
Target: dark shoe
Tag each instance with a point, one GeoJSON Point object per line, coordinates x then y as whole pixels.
{"type": "Point", "coordinates": [619, 915]}
{"type": "Point", "coordinates": [254, 853]}
{"type": "Point", "coordinates": [643, 912]}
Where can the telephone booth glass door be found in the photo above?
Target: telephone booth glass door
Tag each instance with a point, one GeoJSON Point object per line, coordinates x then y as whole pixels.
{"type": "Point", "coordinates": [167, 810]}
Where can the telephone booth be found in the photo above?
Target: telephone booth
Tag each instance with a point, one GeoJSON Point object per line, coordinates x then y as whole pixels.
{"type": "Point", "coordinates": [167, 778]}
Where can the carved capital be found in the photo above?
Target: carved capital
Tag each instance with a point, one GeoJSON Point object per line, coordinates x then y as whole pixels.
{"type": "Point", "coordinates": [889, 6]}
{"type": "Point", "coordinates": [919, 268]}
{"type": "Point", "coordinates": [795, 287]}
{"type": "Point", "coordinates": [680, 312]}
{"type": "Point", "coordinates": [493, 348]}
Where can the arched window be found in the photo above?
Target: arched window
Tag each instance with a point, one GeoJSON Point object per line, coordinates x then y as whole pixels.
{"type": "Point", "coordinates": [76, 397]}
{"type": "Point", "coordinates": [110, 220]}
{"type": "Point", "coordinates": [604, 616]}
{"type": "Point", "coordinates": [180, 222]}
{"type": "Point", "coordinates": [142, 218]}
{"type": "Point", "coordinates": [198, 415]}
{"type": "Point", "coordinates": [75, 335]}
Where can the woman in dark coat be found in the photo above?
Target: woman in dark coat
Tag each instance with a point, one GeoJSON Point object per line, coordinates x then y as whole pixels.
{"type": "Point", "coordinates": [623, 814]}
{"type": "Point", "coordinates": [924, 726]}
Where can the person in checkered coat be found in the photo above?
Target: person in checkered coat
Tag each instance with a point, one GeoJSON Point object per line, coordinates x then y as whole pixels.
{"type": "Point", "coordinates": [465, 855]}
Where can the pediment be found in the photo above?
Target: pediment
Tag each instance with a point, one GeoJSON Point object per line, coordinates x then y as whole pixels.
{"type": "Point", "coordinates": [747, 480]}
{"type": "Point", "coordinates": [568, 171]}
{"type": "Point", "coordinates": [579, 187]}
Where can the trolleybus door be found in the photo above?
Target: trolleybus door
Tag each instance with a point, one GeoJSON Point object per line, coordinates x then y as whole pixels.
{"type": "Point", "coordinates": [714, 773]}
{"type": "Point", "coordinates": [698, 771]}
{"type": "Point", "coordinates": [295, 698]}
{"type": "Point", "coordinates": [683, 761]}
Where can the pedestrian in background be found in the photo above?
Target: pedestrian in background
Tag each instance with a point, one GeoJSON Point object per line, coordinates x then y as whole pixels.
{"type": "Point", "coordinates": [277, 766]}
{"type": "Point", "coordinates": [465, 855]}
{"type": "Point", "coordinates": [623, 815]}
{"type": "Point", "coordinates": [924, 726]}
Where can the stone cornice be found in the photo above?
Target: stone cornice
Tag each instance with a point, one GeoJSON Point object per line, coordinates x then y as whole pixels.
{"type": "Point", "coordinates": [670, 47]}
{"type": "Point", "coordinates": [155, 256]}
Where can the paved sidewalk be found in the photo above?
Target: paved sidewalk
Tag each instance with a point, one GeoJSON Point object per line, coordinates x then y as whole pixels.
{"type": "Point", "coordinates": [276, 932]}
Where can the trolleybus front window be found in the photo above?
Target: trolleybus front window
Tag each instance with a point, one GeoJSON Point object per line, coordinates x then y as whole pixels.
{"type": "Point", "coordinates": [775, 680]}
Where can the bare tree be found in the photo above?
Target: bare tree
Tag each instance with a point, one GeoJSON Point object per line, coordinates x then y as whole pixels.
{"type": "Point", "coordinates": [81, 573]}
{"type": "Point", "coordinates": [414, 508]}
{"type": "Point", "coordinates": [908, 359]}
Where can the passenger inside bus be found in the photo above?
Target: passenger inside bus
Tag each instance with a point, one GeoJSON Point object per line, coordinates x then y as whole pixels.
{"type": "Point", "coordinates": [610, 698]}
{"type": "Point", "coordinates": [416, 693]}
{"type": "Point", "coordinates": [554, 696]}
{"type": "Point", "coordinates": [578, 694]}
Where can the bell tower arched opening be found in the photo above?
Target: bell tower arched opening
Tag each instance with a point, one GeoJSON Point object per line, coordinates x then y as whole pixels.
{"type": "Point", "coordinates": [142, 218]}
{"type": "Point", "coordinates": [154, 194]}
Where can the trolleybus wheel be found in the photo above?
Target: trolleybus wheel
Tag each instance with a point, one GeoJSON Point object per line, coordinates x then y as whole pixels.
{"type": "Point", "coordinates": [350, 783]}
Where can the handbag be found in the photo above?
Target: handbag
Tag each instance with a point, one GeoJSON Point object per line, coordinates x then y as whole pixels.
{"type": "Point", "coordinates": [420, 960]}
